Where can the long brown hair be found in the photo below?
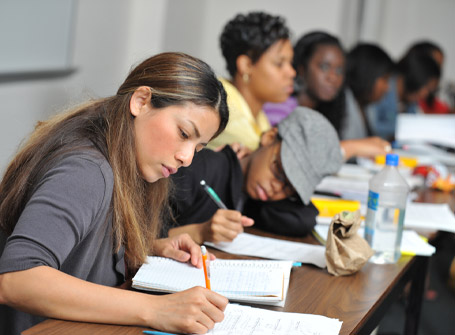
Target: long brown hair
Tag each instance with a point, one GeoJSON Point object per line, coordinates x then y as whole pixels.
{"type": "Point", "coordinates": [137, 206]}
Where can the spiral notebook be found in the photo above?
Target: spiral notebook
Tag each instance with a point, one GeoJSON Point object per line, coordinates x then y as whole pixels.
{"type": "Point", "coordinates": [254, 281]}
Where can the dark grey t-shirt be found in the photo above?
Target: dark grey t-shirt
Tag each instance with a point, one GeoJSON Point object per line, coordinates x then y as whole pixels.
{"type": "Point", "coordinates": [66, 225]}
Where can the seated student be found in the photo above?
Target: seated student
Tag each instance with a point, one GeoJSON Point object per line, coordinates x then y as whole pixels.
{"type": "Point", "coordinates": [368, 71]}
{"type": "Point", "coordinates": [82, 202]}
{"type": "Point", "coordinates": [319, 60]}
{"type": "Point", "coordinates": [258, 56]}
{"type": "Point", "coordinates": [432, 104]}
{"type": "Point", "coordinates": [273, 185]}
{"type": "Point", "coordinates": [413, 79]}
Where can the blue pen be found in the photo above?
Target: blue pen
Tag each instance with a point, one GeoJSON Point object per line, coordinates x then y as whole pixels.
{"type": "Point", "coordinates": [154, 332]}
{"type": "Point", "coordinates": [213, 195]}
{"type": "Point", "coordinates": [297, 264]}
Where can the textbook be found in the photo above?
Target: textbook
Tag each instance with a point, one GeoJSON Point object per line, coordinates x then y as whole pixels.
{"type": "Point", "coordinates": [252, 281]}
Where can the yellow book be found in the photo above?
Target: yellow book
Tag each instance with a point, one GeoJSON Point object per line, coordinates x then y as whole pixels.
{"type": "Point", "coordinates": [330, 207]}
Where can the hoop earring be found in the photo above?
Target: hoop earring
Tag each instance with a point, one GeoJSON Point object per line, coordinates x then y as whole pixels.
{"type": "Point", "coordinates": [246, 78]}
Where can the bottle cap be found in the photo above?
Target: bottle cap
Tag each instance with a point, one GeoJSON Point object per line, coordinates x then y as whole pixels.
{"type": "Point", "coordinates": [392, 159]}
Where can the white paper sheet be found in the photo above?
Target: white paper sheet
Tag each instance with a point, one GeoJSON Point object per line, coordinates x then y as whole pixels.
{"type": "Point", "coordinates": [411, 243]}
{"type": "Point", "coordinates": [355, 171]}
{"type": "Point", "coordinates": [348, 188]}
{"type": "Point", "coordinates": [244, 320]}
{"type": "Point", "coordinates": [429, 216]}
{"type": "Point", "coordinates": [272, 248]}
{"type": "Point", "coordinates": [438, 129]}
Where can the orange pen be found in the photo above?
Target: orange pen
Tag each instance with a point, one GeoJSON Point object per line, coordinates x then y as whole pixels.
{"type": "Point", "coordinates": [206, 265]}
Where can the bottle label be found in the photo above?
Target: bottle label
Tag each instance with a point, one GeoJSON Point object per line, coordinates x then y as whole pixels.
{"type": "Point", "coordinates": [373, 200]}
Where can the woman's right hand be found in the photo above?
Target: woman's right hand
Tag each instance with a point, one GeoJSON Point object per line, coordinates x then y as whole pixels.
{"type": "Point", "coordinates": [48, 292]}
{"type": "Point", "coordinates": [224, 226]}
{"type": "Point", "coordinates": [192, 311]}
{"type": "Point", "coordinates": [368, 147]}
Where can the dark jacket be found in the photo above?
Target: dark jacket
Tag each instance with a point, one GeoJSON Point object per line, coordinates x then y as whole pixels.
{"type": "Point", "coordinates": [221, 170]}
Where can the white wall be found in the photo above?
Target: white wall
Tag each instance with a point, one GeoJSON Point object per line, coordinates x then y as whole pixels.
{"type": "Point", "coordinates": [109, 36]}
{"type": "Point", "coordinates": [195, 26]}
{"type": "Point", "coordinates": [408, 20]}
{"type": "Point", "coordinates": [145, 31]}
{"type": "Point", "coordinates": [395, 25]}
{"type": "Point", "coordinates": [112, 35]}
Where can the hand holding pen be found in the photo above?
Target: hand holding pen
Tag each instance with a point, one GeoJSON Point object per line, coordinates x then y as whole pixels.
{"type": "Point", "coordinates": [212, 194]}
{"type": "Point", "coordinates": [206, 266]}
{"type": "Point", "coordinates": [225, 224]}
{"type": "Point", "coordinates": [194, 310]}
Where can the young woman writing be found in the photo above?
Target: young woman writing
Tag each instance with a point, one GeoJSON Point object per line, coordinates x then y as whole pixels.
{"type": "Point", "coordinates": [82, 201]}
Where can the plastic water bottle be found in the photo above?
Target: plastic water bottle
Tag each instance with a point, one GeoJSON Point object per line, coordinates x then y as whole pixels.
{"type": "Point", "coordinates": [387, 196]}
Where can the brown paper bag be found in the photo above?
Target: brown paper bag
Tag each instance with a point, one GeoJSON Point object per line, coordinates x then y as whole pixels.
{"type": "Point", "coordinates": [346, 252]}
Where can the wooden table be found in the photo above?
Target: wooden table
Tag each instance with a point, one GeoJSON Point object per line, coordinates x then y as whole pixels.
{"type": "Point", "coordinates": [359, 300]}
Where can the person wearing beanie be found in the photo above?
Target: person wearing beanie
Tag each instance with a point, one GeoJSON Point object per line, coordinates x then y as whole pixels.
{"type": "Point", "coordinates": [271, 187]}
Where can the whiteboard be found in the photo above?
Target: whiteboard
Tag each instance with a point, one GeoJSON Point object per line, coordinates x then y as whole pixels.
{"type": "Point", "coordinates": [35, 36]}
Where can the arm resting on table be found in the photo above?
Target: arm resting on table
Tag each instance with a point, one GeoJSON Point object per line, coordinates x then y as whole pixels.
{"type": "Point", "coordinates": [46, 291]}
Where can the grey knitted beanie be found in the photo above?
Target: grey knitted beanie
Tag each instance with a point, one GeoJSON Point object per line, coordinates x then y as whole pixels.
{"type": "Point", "coordinates": [310, 150]}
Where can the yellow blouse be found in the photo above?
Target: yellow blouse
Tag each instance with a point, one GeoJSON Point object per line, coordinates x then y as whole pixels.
{"type": "Point", "coordinates": [242, 126]}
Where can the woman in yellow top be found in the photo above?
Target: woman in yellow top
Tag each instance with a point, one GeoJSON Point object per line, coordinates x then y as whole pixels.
{"type": "Point", "coordinates": [258, 54]}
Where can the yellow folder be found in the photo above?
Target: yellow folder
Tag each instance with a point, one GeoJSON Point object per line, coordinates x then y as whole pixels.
{"type": "Point", "coordinates": [410, 162]}
{"type": "Point", "coordinates": [330, 207]}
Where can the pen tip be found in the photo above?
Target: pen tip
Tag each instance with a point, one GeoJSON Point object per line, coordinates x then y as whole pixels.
{"type": "Point", "coordinates": [202, 182]}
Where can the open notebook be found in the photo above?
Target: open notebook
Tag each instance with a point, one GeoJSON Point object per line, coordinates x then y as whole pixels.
{"type": "Point", "coordinates": [253, 281]}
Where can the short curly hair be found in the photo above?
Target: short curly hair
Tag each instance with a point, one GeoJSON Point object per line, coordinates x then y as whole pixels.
{"type": "Point", "coordinates": [251, 34]}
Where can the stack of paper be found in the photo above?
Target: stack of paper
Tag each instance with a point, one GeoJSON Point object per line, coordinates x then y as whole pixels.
{"type": "Point", "coordinates": [427, 154]}
{"type": "Point", "coordinates": [351, 182]}
{"type": "Point", "coordinates": [347, 188]}
{"type": "Point", "coordinates": [253, 281]}
{"type": "Point", "coordinates": [244, 320]}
